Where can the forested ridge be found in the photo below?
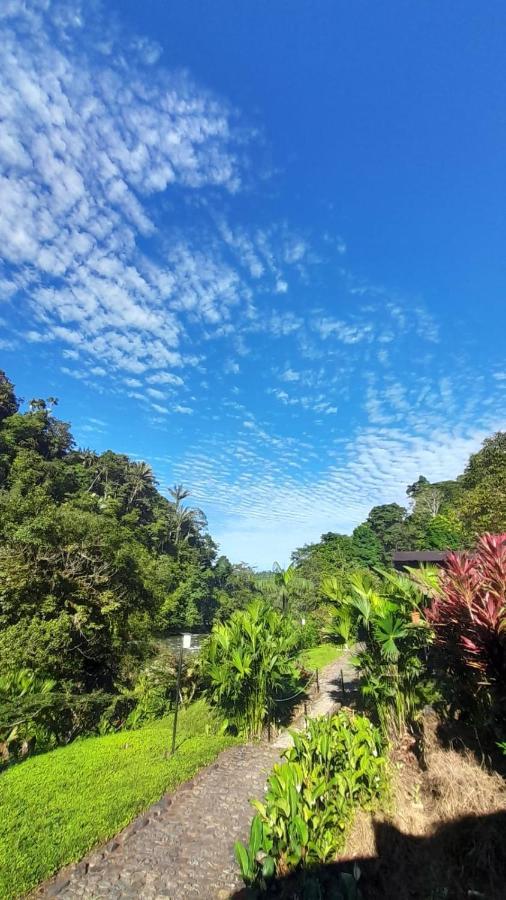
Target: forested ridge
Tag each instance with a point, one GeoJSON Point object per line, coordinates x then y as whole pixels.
{"type": "Point", "coordinates": [95, 562]}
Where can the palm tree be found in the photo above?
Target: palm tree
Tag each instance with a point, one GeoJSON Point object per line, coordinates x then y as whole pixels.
{"type": "Point", "coordinates": [179, 493]}
{"type": "Point", "coordinates": [186, 521]}
{"type": "Point", "coordinates": [141, 478]}
{"type": "Point", "coordinates": [286, 585]}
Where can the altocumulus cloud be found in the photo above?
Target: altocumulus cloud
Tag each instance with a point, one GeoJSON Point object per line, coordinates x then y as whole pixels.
{"type": "Point", "coordinates": [91, 131]}
{"type": "Point", "coordinates": [269, 506]}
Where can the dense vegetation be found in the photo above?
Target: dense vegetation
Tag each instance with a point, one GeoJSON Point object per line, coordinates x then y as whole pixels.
{"type": "Point", "coordinates": [95, 565]}
{"type": "Point", "coordinates": [334, 768]}
{"type": "Point", "coordinates": [249, 664]}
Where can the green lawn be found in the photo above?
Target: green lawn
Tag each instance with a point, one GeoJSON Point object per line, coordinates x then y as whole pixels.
{"type": "Point", "coordinates": [318, 657]}
{"type": "Point", "coordinates": [55, 807]}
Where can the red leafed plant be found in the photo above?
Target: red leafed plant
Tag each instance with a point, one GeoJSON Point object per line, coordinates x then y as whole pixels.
{"type": "Point", "coordinates": [469, 620]}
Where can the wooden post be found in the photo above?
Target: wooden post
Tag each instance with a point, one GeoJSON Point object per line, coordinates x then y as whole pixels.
{"type": "Point", "coordinates": [178, 691]}
{"type": "Point", "coordinates": [317, 683]}
{"type": "Point", "coordinates": [342, 686]}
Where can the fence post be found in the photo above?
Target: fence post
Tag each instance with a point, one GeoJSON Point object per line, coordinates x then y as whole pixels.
{"type": "Point", "coordinates": [317, 683]}
{"type": "Point", "coordinates": [178, 691]}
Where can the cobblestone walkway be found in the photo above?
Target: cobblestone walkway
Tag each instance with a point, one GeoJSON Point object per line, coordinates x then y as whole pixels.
{"type": "Point", "coordinates": [182, 847]}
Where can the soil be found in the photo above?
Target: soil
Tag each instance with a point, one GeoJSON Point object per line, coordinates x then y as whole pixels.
{"type": "Point", "coordinates": [444, 837]}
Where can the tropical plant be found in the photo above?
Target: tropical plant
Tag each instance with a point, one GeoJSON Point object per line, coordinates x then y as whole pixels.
{"type": "Point", "coordinates": [26, 713]}
{"type": "Point", "coordinates": [153, 694]}
{"type": "Point", "coordinates": [248, 663]}
{"type": "Point", "coordinates": [395, 683]}
{"type": "Point", "coordinates": [332, 769]}
{"type": "Point", "coordinates": [287, 586]}
{"type": "Point", "coordinates": [468, 615]}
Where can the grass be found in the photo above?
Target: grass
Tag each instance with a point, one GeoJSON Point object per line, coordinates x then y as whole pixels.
{"type": "Point", "coordinates": [444, 836]}
{"type": "Point", "coordinates": [57, 806]}
{"type": "Point", "coordinates": [318, 657]}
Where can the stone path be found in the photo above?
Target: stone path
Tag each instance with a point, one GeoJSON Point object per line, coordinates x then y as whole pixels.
{"type": "Point", "coordinates": [182, 847]}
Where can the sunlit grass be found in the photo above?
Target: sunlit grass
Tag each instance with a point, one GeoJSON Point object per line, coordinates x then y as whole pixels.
{"type": "Point", "coordinates": [318, 657]}
{"type": "Point", "coordinates": [57, 806]}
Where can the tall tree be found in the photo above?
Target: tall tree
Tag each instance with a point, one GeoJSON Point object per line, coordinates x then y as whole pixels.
{"type": "Point", "coordinates": [482, 505]}
{"type": "Point", "coordinates": [9, 403]}
{"type": "Point", "coordinates": [367, 548]}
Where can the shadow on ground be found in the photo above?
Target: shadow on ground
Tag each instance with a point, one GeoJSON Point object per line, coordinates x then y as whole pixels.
{"type": "Point", "coordinates": [462, 859]}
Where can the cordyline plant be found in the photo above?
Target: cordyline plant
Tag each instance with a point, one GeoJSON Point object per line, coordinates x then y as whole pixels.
{"type": "Point", "coordinates": [468, 615]}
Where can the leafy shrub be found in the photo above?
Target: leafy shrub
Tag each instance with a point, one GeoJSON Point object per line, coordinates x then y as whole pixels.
{"type": "Point", "coordinates": [26, 714]}
{"type": "Point", "coordinates": [332, 769]}
{"type": "Point", "coordinates": [155, 687]}
{"type": "Point", "coordinates": [310, 631]}
{"type": "Point", "coordinates": [384, 612]}
{"type": "Point", "coordinates": [468, 615]}
{"type": "Point", "coordinates": [248, 663]}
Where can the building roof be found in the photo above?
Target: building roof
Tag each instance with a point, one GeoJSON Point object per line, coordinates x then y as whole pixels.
{"type": "Point", "coordinates": [420, 556]}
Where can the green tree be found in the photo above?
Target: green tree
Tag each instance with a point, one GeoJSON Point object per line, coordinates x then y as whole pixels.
{"type": "Point", "coordinates": [9, 403]}
{"type": "Point", "coordinates": [288, 588]}
{"type": "Point", "coordinates": [367, 548]}
{"type": "Point", "coordinates": [482, 504]}
{"type": "Point", "coordinates": [388, 522]}
{"type": "Point", "coordinates": [444, 532]}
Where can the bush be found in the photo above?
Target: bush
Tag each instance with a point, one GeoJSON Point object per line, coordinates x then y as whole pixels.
{"type": "Point", "coordinates": [385, 613]}
{"type": "Point", "coordinates": [332, 769]}
{"type": "Point", "coordinates": [26, 714]}
{"type": "Point", "coordinates": [249, 665]}
{"type": "Point", "coordinates": [468, 614]}
{"type": "Point", "coordinates": [155, 688]}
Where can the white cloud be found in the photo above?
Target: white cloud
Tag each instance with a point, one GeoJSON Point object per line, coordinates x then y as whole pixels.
{"type": "Point", "coordinates": [89, 133]}
{"type": "Point", "coordinates": [156, 394]}
{"type": "Point", "coordinates": [290, 375]}
{"type": "Point", "coordinates": [165, 378]}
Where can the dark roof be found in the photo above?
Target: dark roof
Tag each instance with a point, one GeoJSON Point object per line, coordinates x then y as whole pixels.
{"type": "Point", "coordinates": [423, 556]}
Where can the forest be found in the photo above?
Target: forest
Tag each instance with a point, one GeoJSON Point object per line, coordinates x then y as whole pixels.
{"type": "Point", "coordinates": [97, 565]}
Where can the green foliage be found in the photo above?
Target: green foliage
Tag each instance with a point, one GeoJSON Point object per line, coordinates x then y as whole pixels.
{"type": "Point", "coordinates": [26, 714]}
{"type": "Point", "coordinates": [8, 401]}
{"type": "Point", "coordinates": [249, 664]}
{"type": "Point", "coordinates": [153, 694]}
{"type": "Point", "coordinates": [332, 769]}
{"type": "Point", "coordinates": [332, 554]}
{"type": "Point", "coordinates": [395, 683]}
{"type": "Point", "coordinates": [94, 562]}
{"type": "Point", "coordinates": [444, 532]}
{"type": "Point", "coordinates": [288, 589]}
{"type": "Point", "coordinates": [57, 806]}
{"type": "Point", "coordinates": [367, 548]}
{"type": "Point", "coordinates": [388, 524]}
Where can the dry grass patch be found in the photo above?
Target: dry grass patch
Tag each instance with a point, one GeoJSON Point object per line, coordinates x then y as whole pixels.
{"type": "Point", "coordinates": [445, 836]}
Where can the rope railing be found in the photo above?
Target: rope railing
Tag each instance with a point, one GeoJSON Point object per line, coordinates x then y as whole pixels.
{"type": "Point", "coordinates": [301, 691]}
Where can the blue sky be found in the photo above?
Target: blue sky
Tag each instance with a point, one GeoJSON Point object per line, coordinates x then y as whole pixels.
{"type": "Point", "coordinates": [260, 245]}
